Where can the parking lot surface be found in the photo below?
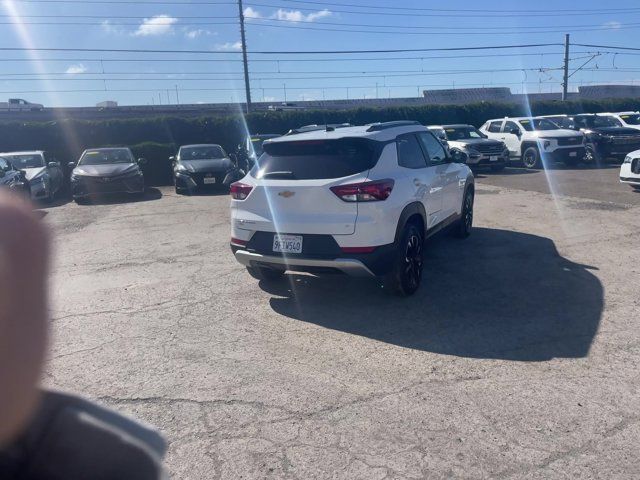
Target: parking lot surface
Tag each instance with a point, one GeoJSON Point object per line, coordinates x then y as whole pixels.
{"type": "Point", "coordinates": [518, 357]}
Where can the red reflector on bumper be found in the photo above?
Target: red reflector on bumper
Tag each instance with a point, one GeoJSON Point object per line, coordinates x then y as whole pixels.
{"type": "Point", "coordinates": [357, 249]}
{"type": "Point", "coordinates": [237, 241]}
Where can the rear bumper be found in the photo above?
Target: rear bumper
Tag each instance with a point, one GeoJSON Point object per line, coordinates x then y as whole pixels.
{"type": "Point", "coordinates": [349, 266]}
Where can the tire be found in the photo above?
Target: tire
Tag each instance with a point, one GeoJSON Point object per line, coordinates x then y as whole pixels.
{"type": "Point", "coordinates": [636, 187]}
{"type": "Point", "coordinates": [406, 275]}
{"type": "Point", "coordinates": [462, 228]}
{"type": "Point", "coordinates": [591, 156]}
{"type": "Point", "coordinates": [265, 274]}
{"type": "Point", "coordinates": [531, 158]}
{"type": "Point", "coordinates": [497, 168]}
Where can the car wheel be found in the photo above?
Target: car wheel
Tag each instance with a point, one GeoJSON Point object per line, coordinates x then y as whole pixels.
{"type": "Point", "coordinates": [265, 274]}
{"type": "Point", "coordinates": [636, 187]}
{"type": "Point", "coordinates": [531, 158]}
{"type": "Point", "coordinates": [462, 228]}
{"type": "Point", "coordinates": [591, 156]}
{"type": "Point", "coordinates": [497, 168]}
{"type": "Point", "coordinates": [406, 275]}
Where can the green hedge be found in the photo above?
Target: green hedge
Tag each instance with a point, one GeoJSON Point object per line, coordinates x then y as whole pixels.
{"type": "Point", "coordinates": [156, 138]}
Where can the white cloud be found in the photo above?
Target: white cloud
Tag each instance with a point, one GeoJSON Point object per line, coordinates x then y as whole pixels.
{"type": "Point", "coordinates": [110, 28]}
{"type": "Point", "coordinates": [613, 25]}
{"type": "Point", "coordinates": [193, 34]}
{"type": "Point", "coordinates": [251, 13]}
{"type": "Point", "coordinates": [156, 25]}
{"type": "Point", "coordinates": [288, 15]}
{"type": "Point", "coordinates": [229, 47]}
{"type": "Point", "coordinates": [298, 16]}
{"type": "Point", "coordinates": [77, 68]}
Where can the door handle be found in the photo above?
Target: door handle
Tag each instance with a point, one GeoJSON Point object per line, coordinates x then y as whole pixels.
{"type": "Point", "coordinates": [435, 189]}
{"type": "Point", "coordinates": [417, 182]}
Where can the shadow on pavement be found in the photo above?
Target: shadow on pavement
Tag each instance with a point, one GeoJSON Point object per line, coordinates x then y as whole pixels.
{"type": "Point", "coordinates": [499, 295]}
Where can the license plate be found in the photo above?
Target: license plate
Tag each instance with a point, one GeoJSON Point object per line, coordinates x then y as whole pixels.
{"type": "Point", "coordinates": [287, 243]}
{"type": "Point", "coordinates": [209, 180]}
{"type": "Point", "coordinates": [573, 154]}
{"type": "Point", "coordinates": [493, 158]}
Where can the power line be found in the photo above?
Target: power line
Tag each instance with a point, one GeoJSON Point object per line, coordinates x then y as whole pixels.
{"type": "Point", "coordinates": [456, 14]}
{"type": "Point", "coordinates": [600, 10]}
{"type": "Point", "coordinates": [456, 32]}
{"type": "Point", "coordinates": [282, 52]}
{"type": "Point", "coordinates": [605, 46]}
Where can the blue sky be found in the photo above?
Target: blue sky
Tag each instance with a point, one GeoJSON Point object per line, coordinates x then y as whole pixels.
{"type": "Point", "coordinates": [85, 78]}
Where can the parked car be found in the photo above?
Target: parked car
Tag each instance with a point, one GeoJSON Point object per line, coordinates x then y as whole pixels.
{"type": "Point", "coordinates": [474, 147]}
{"type": "Point", "coordinates": [251, 149]}
{"type": "Point", "coordinates": [356, 200]}
{"type": "Point", "coordinates": [105, 171]}
{"type": "Point", "coordinates": [630, 170]}
{"type": "Point", "coordinates": [207, 165]}
{"type": "Point", "coordinates": [20, 105]}
{"type": "Point", "coordinates": [535, 141]}
{"type": "Point", "coordinates": [13, 179]}
{"type": "Point", "coordinates": [606, 137]}
{"type": "Point", "coordinates": [41, 169]}
{"type": "Point", "coordinates": [562, 121]}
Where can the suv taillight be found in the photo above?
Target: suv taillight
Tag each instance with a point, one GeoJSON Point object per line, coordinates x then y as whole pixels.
{"type": "Point", "coordinates": [240, 191]}
{"type": "Point", "coordinates": [364, 192]}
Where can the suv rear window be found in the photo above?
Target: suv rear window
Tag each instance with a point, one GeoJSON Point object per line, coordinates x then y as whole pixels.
{"type": "Point", "coordinates": [316, 159]}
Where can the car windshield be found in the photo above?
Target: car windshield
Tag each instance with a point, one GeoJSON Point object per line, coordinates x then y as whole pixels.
{"type": "Point", "coordinates": [601, 121]}
{"type": "Point", "coordinates": [633, 119]}
{"type": "Point", "coordinates": [564, 122]}
{"type": "Point", "coordinates": [205, 152]}
{"type": "Point", "coordinates": [531, 124]}
{"type": "Point", "coordinates": [463, 133]}
{"type": "Point", "coordinates": [106, 157]}
{"type": "Point", "coordinates": [23, 161]}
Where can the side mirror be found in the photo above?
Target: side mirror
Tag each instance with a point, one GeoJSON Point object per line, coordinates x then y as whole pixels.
{"type": "Point", "coordinates": [142, 161]}
{"type": "Point", "coordinates": [53, 164]}
{"type": "Point", "coordinates": [515, 131]}
{"type": "Point", "coordinates": [71, 165]}
{"type": "Point", "coordinates": [172, 158]}
{"type": "Point", "coordinates": [458, 156]}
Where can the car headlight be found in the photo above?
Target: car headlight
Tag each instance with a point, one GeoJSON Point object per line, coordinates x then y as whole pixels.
{"type": "Point", "coordinates": [181, 169]}
{"type": "Point", "coordinates": [628, 159]}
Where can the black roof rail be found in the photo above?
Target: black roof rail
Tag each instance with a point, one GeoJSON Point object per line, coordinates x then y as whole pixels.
{"type": "Point", "coordinates": [316, 128]}
{"type": "Point", "coordinates": [377, 127]}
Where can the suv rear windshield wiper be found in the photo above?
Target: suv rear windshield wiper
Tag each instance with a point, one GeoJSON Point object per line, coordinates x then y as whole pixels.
{"type": "Point", "coordinates": [283, 174]}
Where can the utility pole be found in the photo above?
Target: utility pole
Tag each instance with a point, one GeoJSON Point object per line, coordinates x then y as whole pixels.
{"type": "Point", "coordinates": [244, 57]}
{"type": "Point", "coordinates": [565, 83]}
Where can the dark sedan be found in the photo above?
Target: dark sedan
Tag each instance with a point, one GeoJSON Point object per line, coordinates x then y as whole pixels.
{"type": "Point", "coordinates": [12, 178]}
{"type": "Point", "coordinates": [199, 166]}
{"type": "Point", "coordinates": [104, 171]}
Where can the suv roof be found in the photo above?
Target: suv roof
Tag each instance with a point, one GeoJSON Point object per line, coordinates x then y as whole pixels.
{"type": "Point", "coordinates": [363, 131]}
{"type": "Point", "coordinates": [24, 152]}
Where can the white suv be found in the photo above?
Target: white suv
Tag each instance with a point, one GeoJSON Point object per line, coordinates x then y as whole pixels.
{"type": "Point", "coordinates": [356, 200]}
{"type": "Point", "coordinates": [534, 141]}
{"type": "Point", "coordinates": [630, 170]}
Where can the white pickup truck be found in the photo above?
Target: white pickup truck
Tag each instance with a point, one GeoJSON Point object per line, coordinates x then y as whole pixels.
{"type": "Point", "coordinates": [535, 141]}
{"type": "Point", "coordinates": [20, 105]}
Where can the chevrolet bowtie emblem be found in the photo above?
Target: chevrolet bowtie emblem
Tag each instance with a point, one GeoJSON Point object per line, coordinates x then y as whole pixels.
{"type": "Point", "coordinates": [287, 194]}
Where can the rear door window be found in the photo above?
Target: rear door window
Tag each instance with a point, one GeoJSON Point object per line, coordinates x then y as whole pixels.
{"type": "Point", "coordinates": [316, 159]}
{"type": "Point", "coordinates": [409, 152]}
{"type": "Point", "coordinates": [494, 127]}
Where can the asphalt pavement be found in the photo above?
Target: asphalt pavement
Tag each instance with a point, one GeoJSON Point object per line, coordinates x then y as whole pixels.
{"type": "Point", "coordinates": [518, 357]}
